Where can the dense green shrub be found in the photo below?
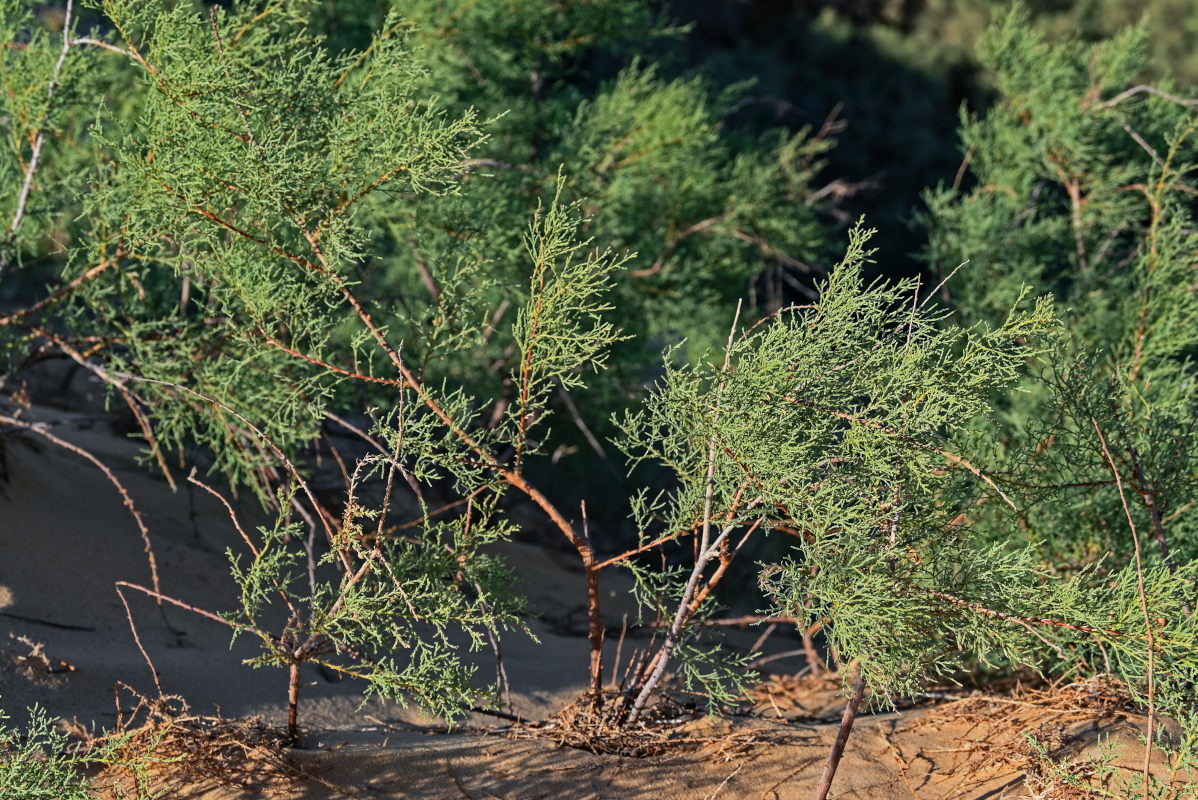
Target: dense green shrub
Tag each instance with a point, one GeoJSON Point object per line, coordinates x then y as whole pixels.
{"type": "Point", "coordinates": [1084, 188]}
{"type": "Point", "coordinates": [263, 233]}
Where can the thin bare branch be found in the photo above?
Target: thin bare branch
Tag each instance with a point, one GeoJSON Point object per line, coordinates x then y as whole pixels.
{"type": "Point", "coordinates": [707, 548]}
{"type": "Point", "coordinates": [660, 263]}
{"type": "Point", "coordinates": [137, 639]}
{"type": "Point", "coordinates": [951, 457]}
{"type": "Point", "coordinates": [942, 283]}
{"type": "Point", "coordinates": [1144, 89]}
{"type": "Point", "coordinates": [842, 736]}
{"type": "Point", "coordinates": [39, 140]}
{"type": "Point", "coordinates": [59, 293]}
{"type": "Point", "coordinates": [1147, 616]}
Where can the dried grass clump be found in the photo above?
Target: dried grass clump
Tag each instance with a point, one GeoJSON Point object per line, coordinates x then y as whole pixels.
{"type": "Point", "coordinates": [665, 729]}
{"type": "Point", "coordinates": [1064, 721]}
{"type": "Point", "coordinates": [159, 744]}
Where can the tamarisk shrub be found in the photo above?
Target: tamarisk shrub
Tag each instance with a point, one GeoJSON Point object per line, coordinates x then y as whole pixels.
{"type": "Point", "coordinates": [850, 426]}
{"type": "Point", "coordinates": [267, 233]}
{"type": "Point", "coordinates": [243, 169]}
{"type": "Point", "coordinates": [1082, 184]}
{"type": "Point", "coordinates": [386, 611]}
{"type": "Point", "coordinates": [1085, 188]}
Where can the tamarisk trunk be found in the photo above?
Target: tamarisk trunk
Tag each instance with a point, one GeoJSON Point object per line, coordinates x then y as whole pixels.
{"type": "Point", "coordinates": [293, 704]}
{"type": "Point", "coordinates": [842, 736]}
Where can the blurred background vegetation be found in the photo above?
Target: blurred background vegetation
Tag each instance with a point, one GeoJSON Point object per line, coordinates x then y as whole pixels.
{"type": "Point", "coordinates": [888, 76]}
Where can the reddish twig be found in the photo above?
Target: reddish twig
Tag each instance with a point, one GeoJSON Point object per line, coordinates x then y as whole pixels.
{"type": "Point", "coordinates": [842, 736]}
{"type": "Point", "coordinates": [949, 456]}
{"type": "Point", "coordinates": [1147, 616]}
{"type": "Point", "coordinates": [278, 451]}
{"type": "Point", "coordinates": [58, 293]}
{"type": "Point", "coordinates": [660, 263]}
{"type": "Point", "coordinates": [162, 598]}
{"type": "Point", "coordinates": [1147, 492]}
{"type": "Point", "coordinates": [990, 612]}
{"type": "Point", "coordinates": [137, 640]}
{"type": "Point", "coordinates": [147, 430]}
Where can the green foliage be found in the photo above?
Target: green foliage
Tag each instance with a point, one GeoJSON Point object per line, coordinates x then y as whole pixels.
{"type": "Point", "coordinates": [947, 30]}
{"type": "Point", "coordinates": [37, 763]}
{"type": "Point", "coordinates": [652, 158]}
{"type": "Point", "coordinates": [279, 223]}
{"type": "Point", "coordinates": [389, 616]}
{"type": "Point", "coordinates": [1084, 190]}
{"type": "Point", "coordinates": [563, 325]}
{"type": "Point", "coordinates": [833, 423]}
{"type": "Point", "coordinates": [248, 170]}
{"type": "Point", "coordinates": [1084, 187]}
{"type": "Point", "coordinates": [243, 170]}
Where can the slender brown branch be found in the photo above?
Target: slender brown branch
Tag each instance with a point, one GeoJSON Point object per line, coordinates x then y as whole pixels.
{"type": "Point", "coordinates": [810, 651]}
{"type": "Point", "coordinates": [1143, 143]}
{"type": "Point", "coordinates": [424, 518]}
{"type": "Point", "coordinates": [1144, 89]}
{"type": "Point", "coordinates": [293, 682]}
{"type": "Point", "coordinates": [162, 598]}
{"type": "Point", "coordinates": [842, 736]}
{"type": "Point", "coordinates": [769, 250]}
{"type": "Point", "coordinates": [58, 293]}
{"type": "Point", "coordinates": [278, 451]}
{"type": "Point", "coordinates": [103, 45]}
{"type": "Point", "coordinates": [1148, 493]}
{"type": "Point", "coordinates": [580, 423]}
{"type": "Point", "coordinates": [137, 639]}
{"type": "Point", "coordinates": [653, 545]}
{"type": "Point", "coordinates": [228, 508]}
{"type": "Point", "coordinates": [1147, 616]}
{"type": "Point", "coordinates": [960, 176]}
{"type": "Point", "coordinates": [990, 612]}
{"type": "Point", "coordinates": [147, 430]}
{"type": "Point", "coordinates": [1073, 187]}
{"type": "Point", "coordinates": [740, 622]}
{"type": "Point", "coordinates": [707, 548]}
{"type": "Point", "coordinates": [660, 263]}
{"type": "Point", "coordinates": [426, 275]}
{"type": "Point", "coordinates": [229, 226]}
{"type": "Point", "coordinates": [220, 45]}
{"type": "Point", "coordinates": [595, 630]}
{"type": "Point", "coordinates": [245, 537]}
{"type": "Point", "coordinates": [951, 457]}
{"type": "Point", "coordinates": [942, 284]}
{"type": "Point", "coordinates": [477, 163]}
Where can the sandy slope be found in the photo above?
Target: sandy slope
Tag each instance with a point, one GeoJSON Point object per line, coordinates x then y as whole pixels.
{"type": "Point", "coordinates": [65, 537]}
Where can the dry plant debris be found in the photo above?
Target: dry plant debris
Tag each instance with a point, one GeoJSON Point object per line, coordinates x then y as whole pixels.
{"type": "Point", "coordinates": [159, 743]}
{"type": "Point", "coordinates": [798, 698]}
{"type": "Point", "coordinates": [666, 729]}
{"type": "Point", "coordinates": [35, 664]}
{"type": "Point", "coordinates": [993, 740]}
